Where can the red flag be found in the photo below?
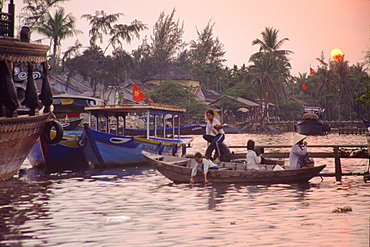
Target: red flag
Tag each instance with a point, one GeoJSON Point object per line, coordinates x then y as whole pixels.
{"type": "Point", "coordinates": [149, 99]}
{"type": "Point", "coordinates": [137, 94]}
{"type": "Point", "coordinates": [304, 86]}
{"type": "Point", "coordinates": [312, 72]}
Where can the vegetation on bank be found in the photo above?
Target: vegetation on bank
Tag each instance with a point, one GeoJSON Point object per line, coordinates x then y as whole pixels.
{"type": "Point", "coordinates": [342, 89]}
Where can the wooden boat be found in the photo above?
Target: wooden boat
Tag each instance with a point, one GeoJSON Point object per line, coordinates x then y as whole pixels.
{"type": "Point", "coordinates": [67, 154]}
{"type": "Point", "coordinates": [20, 127]}
{"type": "Point", "coordinates": [366, 123]}
{"type": "Point", "coordinates": [112, 149]}
{"type": "Point", "coordinates": [72, 125]}
{"type": "Point", "coordinates": [179, 170]}
{"type": "Point", "coordinates": [311, 122]}
{"type": "Point", "coordinates": [234, 128]}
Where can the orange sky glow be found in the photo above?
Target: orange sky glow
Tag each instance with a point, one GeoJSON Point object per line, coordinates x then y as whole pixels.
{"type": "Point", "coordinates": [312, 27]}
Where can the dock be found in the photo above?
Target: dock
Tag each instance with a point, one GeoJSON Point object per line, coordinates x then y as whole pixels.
{"type": "Point", "coordinates": [338, 152]}
{"type": "Point", "coordinates": [340, 127]}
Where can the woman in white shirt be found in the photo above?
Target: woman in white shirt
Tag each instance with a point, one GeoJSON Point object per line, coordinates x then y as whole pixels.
{"type": "Point", "coordinates": [214, 133]}
{"type": "Point", "coordinates": [252, 159]}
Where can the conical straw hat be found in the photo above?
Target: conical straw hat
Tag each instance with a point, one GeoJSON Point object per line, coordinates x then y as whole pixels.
{"type": "Point", "coordinates": [298, 138]}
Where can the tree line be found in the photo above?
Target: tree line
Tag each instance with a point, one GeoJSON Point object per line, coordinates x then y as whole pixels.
{"type": "Point", "coordinates": [342, 89]}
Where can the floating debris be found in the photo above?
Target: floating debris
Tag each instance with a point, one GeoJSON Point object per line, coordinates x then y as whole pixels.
{"type": "Point", "coordinates": [342, 209]}
{"type": "Point", "coordinates": [116, 220]}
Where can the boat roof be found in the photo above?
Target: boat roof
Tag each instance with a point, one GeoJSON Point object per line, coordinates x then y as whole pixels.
{"type": "Point", "coordinates": [153, 108]}
{"type": "Point", "coordinates": [70, 96]}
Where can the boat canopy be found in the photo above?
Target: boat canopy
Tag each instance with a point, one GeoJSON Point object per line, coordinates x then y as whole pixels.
{"type": "Point", "coordinates": [68, 103]}
{"type": "Point", "coordinates": [164, 111]}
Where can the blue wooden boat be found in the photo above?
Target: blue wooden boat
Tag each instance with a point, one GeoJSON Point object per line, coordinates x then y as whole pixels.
{"type": "Point", "coordinates": [107, 148]}
{"type": "Point", "coordinates": [67, 154]}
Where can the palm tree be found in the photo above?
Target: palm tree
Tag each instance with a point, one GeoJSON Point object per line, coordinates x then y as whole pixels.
{"type": "Point", "coordinates": [57, 28]}
{"type": "Point", "coordinates": [270, 43]}
{"type": "Point", "coordinates": [270, 69]}
{"type": "Point", "coordinates": [125, 32]}
{"type": "Point", "coordinates": [100, 23]}
{"type": "Point", "coordinates": [265, 77]}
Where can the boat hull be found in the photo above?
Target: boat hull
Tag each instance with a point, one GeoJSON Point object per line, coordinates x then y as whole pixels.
{"type": "Point", "coordinates": [66, 155]}
{"type": "Point", "coordinates": [234, 128]}
{"type": "Point", "coordinates": [179, 171]}
{"type": "Point", "coordinates": [106, 150]}
{"type": "Point", "coordinates": [196, 129]}
{"type": "Point", "coordinates": [312, 127]}
{"type": "Point", "coordinates": [17, 136]}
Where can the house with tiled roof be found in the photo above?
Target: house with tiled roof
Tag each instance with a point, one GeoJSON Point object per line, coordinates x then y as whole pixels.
{"type": "Point", "coordinates": [176, 74]}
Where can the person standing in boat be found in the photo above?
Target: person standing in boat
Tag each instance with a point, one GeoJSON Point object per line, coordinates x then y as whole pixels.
{"type": "Point", "coordinates": [203, 163]}
{"type": "Point", "coordinates": [214, 133]}
{"type": "Point", "coordinates": [251, 158]}
{"type": "Point", "coordinates": [298, 157]}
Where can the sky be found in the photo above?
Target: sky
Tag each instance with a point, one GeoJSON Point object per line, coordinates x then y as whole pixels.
{"type": "Point", "coordinates": [312, 27]}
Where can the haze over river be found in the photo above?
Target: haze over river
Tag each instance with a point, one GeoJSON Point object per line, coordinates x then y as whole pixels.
{"type": "Point", "coordinates": [140, 207]}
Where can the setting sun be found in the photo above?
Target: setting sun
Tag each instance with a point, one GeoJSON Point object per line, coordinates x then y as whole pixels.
{"type": "Point", "coordinates": [336, 54]}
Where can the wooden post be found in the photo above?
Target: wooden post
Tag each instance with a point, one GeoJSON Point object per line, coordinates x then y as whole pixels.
{"type": "Point", "coordinates": [338, 167]}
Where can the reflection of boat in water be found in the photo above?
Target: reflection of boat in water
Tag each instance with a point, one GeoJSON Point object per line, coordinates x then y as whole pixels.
{"type": "Point", "coordinates": [20, 127]}
{"type": "Point", "coordinates": [114, 148]}
{"type": "Point", "coordinates": [67, 154]}
{"type": "Point", "coordinates": [179, 170]}
{"type": "Point", "coordinates": [311, 122]}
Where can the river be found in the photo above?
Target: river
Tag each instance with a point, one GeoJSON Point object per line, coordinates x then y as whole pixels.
{"type": "Point", "coordinates": [140, 207]}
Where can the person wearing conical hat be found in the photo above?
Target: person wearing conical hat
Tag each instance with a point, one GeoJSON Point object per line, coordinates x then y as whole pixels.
{"type": "Point", "coordinates": [298, 157]}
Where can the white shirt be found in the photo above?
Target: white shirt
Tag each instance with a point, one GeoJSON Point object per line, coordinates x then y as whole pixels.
{"type": "Point", "coordinates": [253, 160]}
{"type": "Point", "coordinates": [294, 155]}
{"type": "Point", "coordinates": [206, 165]}
{"type": "Point", "coordinates": [210, 127]}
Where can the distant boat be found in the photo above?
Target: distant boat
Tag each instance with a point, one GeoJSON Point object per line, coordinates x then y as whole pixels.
{"type": "Point", "coordinates": [234, 128]}
{"type": "Point", "coordinates": [366, 123]}
{"type": "Point", "coordinates": [108, 148]}
{"type": "Point", "coordinates": [179, 169]}
{"type": "Point", "coordinates": [311, 122]}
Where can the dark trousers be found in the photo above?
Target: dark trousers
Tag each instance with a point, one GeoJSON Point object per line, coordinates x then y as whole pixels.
{"type": "Point", "coordinates": [215, 140]}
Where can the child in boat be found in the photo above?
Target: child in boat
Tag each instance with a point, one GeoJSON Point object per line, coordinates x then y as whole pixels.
{"type": "Point", "coordinates": [298, 156]}
{"type": "Point", "coordinates": [203, 163]}
{"type": "Point", "coordinates": [252, 159]}
{"type": "Point", "coordinates": [214, 133]}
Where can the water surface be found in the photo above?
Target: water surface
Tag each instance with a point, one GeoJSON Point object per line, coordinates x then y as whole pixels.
{"type": "Point", "coordinates": [140, 207]}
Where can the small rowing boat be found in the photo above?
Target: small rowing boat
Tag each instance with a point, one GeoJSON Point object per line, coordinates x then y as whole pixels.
{"type": "Point", "coordinates": [179, 170]}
